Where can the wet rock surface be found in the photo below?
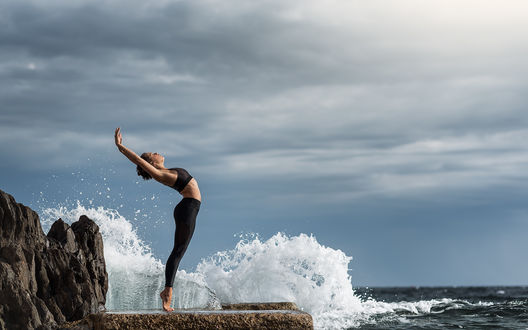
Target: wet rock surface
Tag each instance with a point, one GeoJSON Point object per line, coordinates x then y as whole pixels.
{"type": "Point", "coordinates": [48, 280]}
{"type": "Point", "coordinates": [262, 316]}
{"type": "Point", "coordinates": [262, 306]}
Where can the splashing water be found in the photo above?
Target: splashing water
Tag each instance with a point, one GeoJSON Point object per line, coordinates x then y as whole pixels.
{"type": "Point", "coordinates": [282, 268]}
{"type": "Point", "coordinates": [135, 276]}
{"type": "Point", "coordinates": [296, 269]}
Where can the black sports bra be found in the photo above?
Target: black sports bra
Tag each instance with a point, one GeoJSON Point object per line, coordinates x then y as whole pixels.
{"type": "Point", "coordinates": [183, 178]}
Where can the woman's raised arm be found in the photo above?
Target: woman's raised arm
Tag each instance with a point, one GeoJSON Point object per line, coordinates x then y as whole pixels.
{"type": "Point", "coordinates": [134, 158]}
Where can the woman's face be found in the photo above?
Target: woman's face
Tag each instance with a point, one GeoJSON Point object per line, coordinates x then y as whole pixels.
{"type": "Point", "coordinates": [156, 158]}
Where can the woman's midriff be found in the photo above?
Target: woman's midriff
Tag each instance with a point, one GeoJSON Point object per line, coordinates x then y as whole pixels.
{"type": "Point", "coordinates": [191, 190]}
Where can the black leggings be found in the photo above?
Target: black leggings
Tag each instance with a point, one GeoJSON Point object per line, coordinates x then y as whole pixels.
{"type": "Point", "coordinates": [185, 217]}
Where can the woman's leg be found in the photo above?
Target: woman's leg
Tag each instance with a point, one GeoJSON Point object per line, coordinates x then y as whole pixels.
{"type": "Point", "coordinates": [182, 237]}
{"type": "Point", "coordinates": [185, 217]}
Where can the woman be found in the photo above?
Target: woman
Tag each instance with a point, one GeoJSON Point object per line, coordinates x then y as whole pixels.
{"type": "Point", "coordinates": [150, 165]}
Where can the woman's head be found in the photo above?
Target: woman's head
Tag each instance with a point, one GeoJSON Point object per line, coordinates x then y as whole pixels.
{"type": "Point", "coordinates": [154, 159]}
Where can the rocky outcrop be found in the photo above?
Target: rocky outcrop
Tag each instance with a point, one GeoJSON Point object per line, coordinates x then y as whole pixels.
{"type": "Point", "coordinates": [258, 316]}
{"type": "Point", "coordinates": [48, 280]}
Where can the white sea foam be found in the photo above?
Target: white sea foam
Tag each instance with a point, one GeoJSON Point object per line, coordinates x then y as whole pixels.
{"type": "Point", "coordinates": [135, 276]}
{"type": "Point", "coordinates": [281, 268]}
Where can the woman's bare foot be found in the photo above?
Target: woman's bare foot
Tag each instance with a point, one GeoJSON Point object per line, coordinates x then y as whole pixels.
{"type": "Point", "coordinates": [166, 297]}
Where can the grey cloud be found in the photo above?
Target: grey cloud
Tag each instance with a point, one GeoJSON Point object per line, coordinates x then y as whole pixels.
{"type": "Point", "coordinates": [244, 87]}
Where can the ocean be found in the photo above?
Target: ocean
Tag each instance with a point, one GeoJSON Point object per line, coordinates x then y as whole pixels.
{"type": "Point", "coordinates": [289, 268]}
{"type": "Point", "coordinates": [489, 307]}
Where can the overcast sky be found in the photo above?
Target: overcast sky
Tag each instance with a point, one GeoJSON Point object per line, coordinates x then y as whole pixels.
{"type": "Point", "coordinates": [392, 130]}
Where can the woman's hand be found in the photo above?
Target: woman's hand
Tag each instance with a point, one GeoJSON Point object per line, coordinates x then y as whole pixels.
{"type": "Point", "coordinates": [118, 138]}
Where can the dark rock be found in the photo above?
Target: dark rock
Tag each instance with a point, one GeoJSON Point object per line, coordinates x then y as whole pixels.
{"type": "Point", "coordinates": [48, 280]}
{"type": "Point", "coordinates": [13, 230]}
{"type": "Point", "coordinates": [91, 243]}
{"type": "Point", "coordinates": [62, 232]}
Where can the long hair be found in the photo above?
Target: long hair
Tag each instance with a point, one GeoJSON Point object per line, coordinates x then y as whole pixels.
{"type": "Point", "coordinates": [140, 171]}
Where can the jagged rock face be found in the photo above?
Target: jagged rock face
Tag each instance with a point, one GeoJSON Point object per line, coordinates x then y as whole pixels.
{"type": "Point", "coordinates": [48, 280]}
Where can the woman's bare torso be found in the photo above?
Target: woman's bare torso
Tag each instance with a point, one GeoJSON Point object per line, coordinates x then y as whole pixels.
{"type": "Point", "coordinates": [191, 190]}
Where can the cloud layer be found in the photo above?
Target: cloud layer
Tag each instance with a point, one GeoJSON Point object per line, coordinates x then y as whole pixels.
{"type": "Point", "coordinates": [388, 95]}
